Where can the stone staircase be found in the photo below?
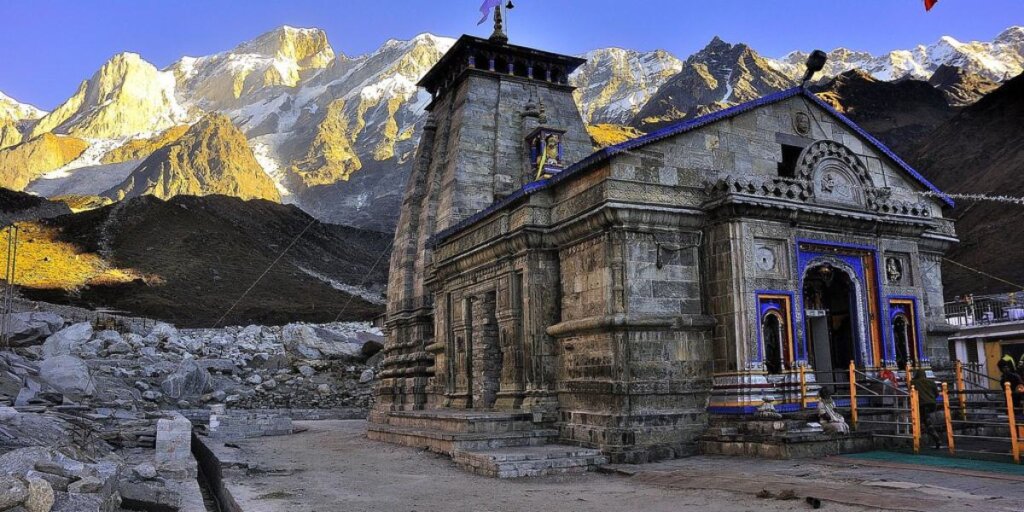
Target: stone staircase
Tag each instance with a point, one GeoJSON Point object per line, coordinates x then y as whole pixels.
{"type": "Point", "coordinates": [490, 443]}
{"type": "Point", "coordinates": [787, 438]}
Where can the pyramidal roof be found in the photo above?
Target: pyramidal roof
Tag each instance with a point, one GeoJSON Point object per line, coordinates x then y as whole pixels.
{"type": "Point", "coordinates": [605, 154]}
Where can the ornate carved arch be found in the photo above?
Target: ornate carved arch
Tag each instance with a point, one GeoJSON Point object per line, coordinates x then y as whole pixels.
{"type": "Point", "coordinates": [833, 173]}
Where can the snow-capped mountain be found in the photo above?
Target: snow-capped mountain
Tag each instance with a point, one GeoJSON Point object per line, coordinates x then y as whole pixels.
{"type": "Point", "coordinates": [125, 97]}
{"type": "Point", "coordinates": [998, 60]}
{"type": "Point", "coordinates": [335, 133]}
{"type": "Point", "coordinates": [719, 75]}
{"type": "Point", "coordinates": [615, 83]}
{"type": "Point", "coordinates": [14, 110]}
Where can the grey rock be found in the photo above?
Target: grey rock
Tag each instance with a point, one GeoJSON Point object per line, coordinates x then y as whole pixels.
{"type": "Point", "coordinates": [366, 376]}
{"type": "Point", "coordinates": [69, 374]}
{"type": "Point", "coordinates": [269, 384]}
{"type": "Point", "coordinates": [13, 492]}
{"type": "Point", "coordinates": [162, 331]}
{"type": "Point", "coordinates": [189, 380]}
{"type": "Point", "coordinates": [307, 371]}
{"type": "Point", "coordinates": [64, 341]}
{"type": "Point", "coordinates": [31, 328]}
{"type": "Point", "coordinates": [145, 471]}
{"type": "Point", "coordinates": [40, 495]}
{"type": "Point", "coordinates": [254, 379]}
{"type": "Point", "coordinates": [88, 484]}
{"type": "Point", "coordinates": [120, 347]}
{"type": "Point", "coordinates": [109, 337]}
{"type": "Point", "coordinates": [152, 395]}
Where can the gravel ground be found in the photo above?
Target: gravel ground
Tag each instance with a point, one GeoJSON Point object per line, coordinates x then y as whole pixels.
{"type": "Point", "coordinates": [332, 466]}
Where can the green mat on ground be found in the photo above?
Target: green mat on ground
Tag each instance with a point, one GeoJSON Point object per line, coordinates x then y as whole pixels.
{"type": "Point", "coordinates": [941, 462]}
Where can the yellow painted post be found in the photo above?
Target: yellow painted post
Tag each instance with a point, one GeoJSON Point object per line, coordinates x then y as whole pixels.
{"type": "Point", "coordinates": [949, 421]}
{"type": "Point", "coordinates": [803, 387]}
{"type": "Point", "coordinates": [853, 395]}
{"type": "Point", "coordinates": [1013, 422]}
{"type": "Point", "coordinates": [961, 389]}
{"type": "Point", "coordinates": [915, 420]}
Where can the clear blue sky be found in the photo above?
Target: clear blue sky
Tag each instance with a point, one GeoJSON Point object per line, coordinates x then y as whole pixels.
{"type": "Point", "coordinates": [47, 47]}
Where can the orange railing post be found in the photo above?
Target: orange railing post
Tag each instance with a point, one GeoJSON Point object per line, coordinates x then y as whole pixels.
{"type": "Point", "coordinates": [961, 390]}
{"type": "Point", "coordinates": [915, 419]}
{"type": "Point", "coordinates": [853, 395]}
{"type": "Point", "coordinates": [1013, 422]}
{"type": "Point", "coordinates": [909, 376]}
{"type": "Point", "coordinates": [803, 386]}
{"type": "Point", "coordinates": [949, 421]}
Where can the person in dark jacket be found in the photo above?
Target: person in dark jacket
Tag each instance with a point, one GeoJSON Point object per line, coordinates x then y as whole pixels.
{"type": "Point", "coordinates": [1016, 383]}
{"type": "Point", "coordinates": [926, 393]}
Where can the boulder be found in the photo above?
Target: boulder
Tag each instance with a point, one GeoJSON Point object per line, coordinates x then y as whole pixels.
{"type": "Point", "coordinates": [189, 380]}
{"type": "Point", "coordinates": [13, 492]}
{"type": "Point", "coordinates": [31, 328]}
{"type": "Point", "coordinates": [119, 347]}
{"type": "Point", "coordinates": [66, 340]}
{"type": "Point", "coordinates": [109, 337]}
{"type": "Point", "coordinates": [163, 331]}
{"type": "Point", "coordinates": [145, 471]}
{"type": "Point", "coordinates": [69, 374]}
{"type": "Point", "coordinates": [366, 376]}
{"type": "Point", "coordinates": [310, 342]}
{"type": "Point", "coordinates": [88, 484]}
{"type": "Point", "coordinates": [40, 495]}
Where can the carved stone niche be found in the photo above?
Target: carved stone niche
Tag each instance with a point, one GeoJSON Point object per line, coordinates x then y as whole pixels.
{"type": "Point", "coordinates": [897, 270]}
{"type": "Point", "coordinates": [545, 148]}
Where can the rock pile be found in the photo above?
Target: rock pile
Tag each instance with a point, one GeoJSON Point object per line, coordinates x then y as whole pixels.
{"type": "Point", "coordinates": [75, 400]}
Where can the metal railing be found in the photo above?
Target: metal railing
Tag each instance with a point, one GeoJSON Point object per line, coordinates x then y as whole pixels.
{"type": "Point", "coordinates": [973, 310]}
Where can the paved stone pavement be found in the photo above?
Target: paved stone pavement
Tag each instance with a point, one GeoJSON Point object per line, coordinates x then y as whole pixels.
{"type": "Point", "coordinates": [332, 466]}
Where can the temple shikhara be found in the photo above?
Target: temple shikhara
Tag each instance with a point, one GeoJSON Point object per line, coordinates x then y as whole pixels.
{"type": "Point", "coordinates": [647, 299]}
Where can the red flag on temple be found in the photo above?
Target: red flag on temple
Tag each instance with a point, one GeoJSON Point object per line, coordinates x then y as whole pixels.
{"type": "Point", "coordinates": [928, 4]}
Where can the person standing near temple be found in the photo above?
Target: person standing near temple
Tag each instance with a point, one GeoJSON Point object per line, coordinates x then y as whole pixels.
{"type": "Point", "coordinates": [926, 393]}
{"type": "Point", "coordinates": [829, 418]}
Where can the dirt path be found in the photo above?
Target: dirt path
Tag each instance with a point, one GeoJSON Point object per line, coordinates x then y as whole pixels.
{"type": "Point", "coordinates": [333, 467]}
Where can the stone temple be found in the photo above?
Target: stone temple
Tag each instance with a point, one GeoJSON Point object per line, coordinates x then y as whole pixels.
{"type": "Point", "coordinates": [617, 303]}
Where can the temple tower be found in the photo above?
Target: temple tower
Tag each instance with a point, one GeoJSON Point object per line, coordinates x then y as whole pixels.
{"type": "Point", "coordinates": [488, 96]}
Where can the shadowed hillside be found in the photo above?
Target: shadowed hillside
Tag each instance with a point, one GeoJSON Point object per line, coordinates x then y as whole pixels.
{"type": "Point", "coordinates": [188, 259]}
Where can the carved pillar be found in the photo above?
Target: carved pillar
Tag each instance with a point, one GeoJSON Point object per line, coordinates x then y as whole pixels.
{"type": "Point", "coordinates": [510, 338]}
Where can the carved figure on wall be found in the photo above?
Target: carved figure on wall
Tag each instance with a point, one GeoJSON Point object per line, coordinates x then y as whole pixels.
{"type": "Point", "coordinates": [893, 269]}
{"type": "Point", "coordinates": [802, 123]}
{"type": "Point", "coordinates": [549, 154]}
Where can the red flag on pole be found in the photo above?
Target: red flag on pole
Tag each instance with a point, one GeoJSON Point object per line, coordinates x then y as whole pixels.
{"type": "Point", "coordinates": [928, 4]}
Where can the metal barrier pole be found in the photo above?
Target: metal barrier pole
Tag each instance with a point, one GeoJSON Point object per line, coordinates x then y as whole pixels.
{"type": "Point", "coordinates": [1013, 422]}
{"type": "Point", "coordinates": [909, 377]}
{"type": "Point", "coordinates": [853, 395]}
{"type": "Point", "coordinates": [803, 387]}
{"type": "Point", "coordinates": [961, 389]}
{"type": "Point", "coordinates": [949, 421]}
{"type": "Point", "coordinates": [915, 419]}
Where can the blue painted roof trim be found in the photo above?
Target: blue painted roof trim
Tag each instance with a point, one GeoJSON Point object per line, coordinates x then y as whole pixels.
{"type": "Point", "coordinates": [604, 154]}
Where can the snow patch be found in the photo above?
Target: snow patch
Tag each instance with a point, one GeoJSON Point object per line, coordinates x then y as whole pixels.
{"type": "Point", "coordinates": [358, 291]}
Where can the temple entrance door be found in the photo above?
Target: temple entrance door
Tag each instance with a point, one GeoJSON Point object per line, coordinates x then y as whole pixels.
{"type": "Point", "coordinates": [830, 315]}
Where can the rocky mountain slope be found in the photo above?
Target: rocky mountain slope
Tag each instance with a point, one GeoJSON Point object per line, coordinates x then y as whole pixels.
{"type": "Point", "coordinates": [188, 259]}
{"type": "Point", "coordinates": [125, 97]}
{"type": "Point", "coordinates": [211, 157]}
{"type": "Point", "coordinates": [335, 133]}
{"type": "Point", "coordinates": [721, 74]}
{"type": "Point", "coordinates": [898, 113]}
{"type": "Point", "coordinates": [615, 83]}
{"type": "Point", "coordinates": [981, 151]}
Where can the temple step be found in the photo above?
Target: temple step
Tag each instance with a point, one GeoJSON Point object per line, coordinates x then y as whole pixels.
{"type": "Point", "coordinates": [441, 441]}
{"type": "Point", "coordinates": [529, 461]}
{"type": "Point", "coordinates": [463, 421]}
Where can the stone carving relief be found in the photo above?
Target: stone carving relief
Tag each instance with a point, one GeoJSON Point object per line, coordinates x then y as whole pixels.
{"type": "Point", "coordinates": [802, 123]}
{"type": "Point", "coordinates": [893, 270]}
{"type": "Point", "coordinates": [770, 258]}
